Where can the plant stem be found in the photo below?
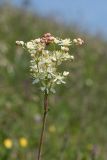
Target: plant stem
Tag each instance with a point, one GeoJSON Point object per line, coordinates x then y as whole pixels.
{"type": "Point", "coordinates": [43, 124]}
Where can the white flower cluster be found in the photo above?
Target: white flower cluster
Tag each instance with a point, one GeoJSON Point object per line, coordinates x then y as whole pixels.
{"type": "Point", "coordinates": [47, 53]}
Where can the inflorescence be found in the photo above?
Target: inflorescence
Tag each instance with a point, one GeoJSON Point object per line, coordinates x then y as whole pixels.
{"type": "Point", "coordinates": [47, 53]}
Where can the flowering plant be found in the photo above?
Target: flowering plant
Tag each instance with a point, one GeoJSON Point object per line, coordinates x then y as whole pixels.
{"type": "Point", "coordinates": [45, 61]}
{"type": "Point", "coordinates": [47, 53]}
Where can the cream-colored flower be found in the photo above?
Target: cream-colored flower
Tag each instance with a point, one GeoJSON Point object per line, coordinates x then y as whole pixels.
{"type": "Point", "coordinates": [59, 79]}
{"type": "Point", "coordinates": [75, 40]}
{"type": "Point", "coordinates": [30, 45]}
{"type": "Point", "coordinates": [45, 61]}
{"type": "Point", "coordinates": [72, 57]}
{"type": "Point", "coordinates": [66, 49]}
{"type": "Point", "coordinates": [65, 42]}
{"type": "Point", "coordinates": [65, 73]}
{"type": "Point", "coordinates": [56, 41]}
{"type": "Point", "coordinates": [37, 40]}
{"type": "Point", "coordinates": [20, 43]}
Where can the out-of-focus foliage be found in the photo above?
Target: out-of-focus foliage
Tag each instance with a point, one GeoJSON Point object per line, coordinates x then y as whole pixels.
{"type": "Point", "coordinates": [77, 121]}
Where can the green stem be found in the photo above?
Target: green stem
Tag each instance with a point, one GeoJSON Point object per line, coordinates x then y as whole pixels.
{"type": "Point", "coordinates": [43, 125]}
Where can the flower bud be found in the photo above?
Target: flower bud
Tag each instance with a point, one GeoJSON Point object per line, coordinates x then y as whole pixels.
{"type": "Point", "coordinates": [20, 43]}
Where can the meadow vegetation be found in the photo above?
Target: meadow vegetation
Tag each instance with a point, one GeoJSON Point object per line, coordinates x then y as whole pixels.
{"type": "Point", "coordinates": [77, 122]}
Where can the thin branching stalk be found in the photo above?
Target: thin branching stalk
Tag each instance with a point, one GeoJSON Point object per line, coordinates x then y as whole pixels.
{"type": "Point", "coordinates": [43, 125]}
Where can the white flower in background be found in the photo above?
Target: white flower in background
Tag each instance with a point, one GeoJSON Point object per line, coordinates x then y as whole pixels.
{"type": "Point", "coordinates": [44, 61]}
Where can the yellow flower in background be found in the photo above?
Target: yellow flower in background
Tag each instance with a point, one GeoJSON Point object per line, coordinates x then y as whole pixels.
{"type": "Point", "coordinates": [23, 142]}
{"type": "Point", "coordinates": [90, 146]}
{"type": "Point", "coordinates": [52, 129]}
{"type": "Point", "coordinates": [8, 143]}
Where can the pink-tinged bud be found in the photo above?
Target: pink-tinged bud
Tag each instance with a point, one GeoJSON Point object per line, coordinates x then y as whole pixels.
{"type": "Point", "coordinates": [78, 41]}
{"type": "Point", "coordinates": [42, 40]}
{"type": "Point", "coordinates": [52, 38]}
{"type": "Point", "coordinates": [47, 35]}
{"type": "Point", "coordinates": [47, 38]}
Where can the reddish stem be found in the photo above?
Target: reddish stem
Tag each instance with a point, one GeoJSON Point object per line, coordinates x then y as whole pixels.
{"type": "Point", "coordinates": [43, 124]}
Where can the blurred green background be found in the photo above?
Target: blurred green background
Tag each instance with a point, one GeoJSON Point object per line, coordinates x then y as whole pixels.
{"type": "Point", "coordinates": [77, 121]}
